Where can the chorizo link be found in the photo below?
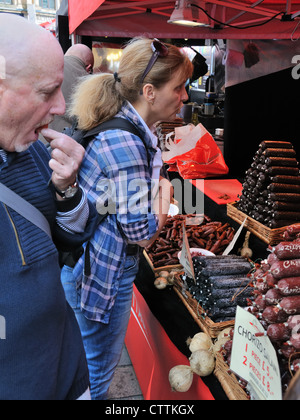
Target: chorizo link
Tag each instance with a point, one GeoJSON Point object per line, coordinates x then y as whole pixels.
{"type": "Point", "coordinates": [287, 250]}
{"type": "Point", "coordinates": [274, 315]}
{"type": "Point", "coordinates": [278, 332]}
{"type": "Point", "coordinates": [284, 269]}
{"type": "Point", "coordinates": [289, 286]}
{"type": "Point", "coordinates": [290, 305]}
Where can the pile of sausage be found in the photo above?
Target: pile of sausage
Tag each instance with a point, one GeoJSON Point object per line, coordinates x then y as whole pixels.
{"type": "Point", "coordinates": [277, 289]}
{"type": "Point", "coordinates": [212, 236]}
{"type": "Point", "coordinates": [221, 285]}
{"type": "Point", "coordinates": [271, 191]}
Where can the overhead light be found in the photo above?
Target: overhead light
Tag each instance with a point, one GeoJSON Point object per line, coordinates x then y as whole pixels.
{"type": "Point", "coordinates": [186, 14]}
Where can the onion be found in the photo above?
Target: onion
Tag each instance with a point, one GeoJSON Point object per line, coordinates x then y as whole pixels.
{"type": "Point", "coordinates": [181, 378]}
{"type": "Point", "coordinates": [202, 362]}
{"type": "Point", "coordinates": [200, 341]}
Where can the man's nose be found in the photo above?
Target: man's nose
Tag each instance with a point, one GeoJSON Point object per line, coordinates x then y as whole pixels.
{"type": "Point", "coordinates": [59, 108]}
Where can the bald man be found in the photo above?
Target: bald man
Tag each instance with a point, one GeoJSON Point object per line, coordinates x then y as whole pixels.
{"type": "Point", "coordinates": [41, 355]}
{"type": "Point", "coordinates": [79, 61]}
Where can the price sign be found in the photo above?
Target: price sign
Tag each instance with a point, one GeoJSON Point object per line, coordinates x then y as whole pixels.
{"type": "Point", "coordinates": [254, 358]}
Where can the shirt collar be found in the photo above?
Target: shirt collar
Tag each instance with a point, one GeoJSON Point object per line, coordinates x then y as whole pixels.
{"type": "Point", "coordinates": [137, 116]}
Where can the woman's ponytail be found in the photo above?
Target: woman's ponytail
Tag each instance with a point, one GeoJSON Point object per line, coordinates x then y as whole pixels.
{"type": "Point", "coordinates": [95, 100]}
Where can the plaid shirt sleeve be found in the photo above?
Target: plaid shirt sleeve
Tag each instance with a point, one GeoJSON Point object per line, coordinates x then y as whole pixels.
{"type": "Point", "coordinates": [123, 160]}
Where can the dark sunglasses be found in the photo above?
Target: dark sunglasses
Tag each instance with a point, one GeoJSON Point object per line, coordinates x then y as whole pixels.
{"type": "Point", "coordinates": [159, 50]}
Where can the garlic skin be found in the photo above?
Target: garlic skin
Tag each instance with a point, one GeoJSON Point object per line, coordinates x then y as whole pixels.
{"type": "Point", "coordinates": [200, 341]}
{"type": "Point", "coordinates": [202, 363]}
{"type": "Point", "coordinates": [181, 378]}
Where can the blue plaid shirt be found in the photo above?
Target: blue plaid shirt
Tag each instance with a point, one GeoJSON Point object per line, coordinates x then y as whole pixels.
{"type": "Point", "coordinates": [115, 164]}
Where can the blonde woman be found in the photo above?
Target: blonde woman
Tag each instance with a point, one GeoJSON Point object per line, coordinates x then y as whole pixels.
{"type": "Point", "coordinates": [117, 175]}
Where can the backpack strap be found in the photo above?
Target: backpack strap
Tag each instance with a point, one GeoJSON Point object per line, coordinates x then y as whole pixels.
{"type": "Point", "coordinates": [116, 123]}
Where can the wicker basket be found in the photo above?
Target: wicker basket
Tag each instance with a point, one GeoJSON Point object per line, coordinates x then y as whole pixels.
{"type": "Point", "coordinates": [267, 235]}
{"type": "Point", "coordinates": [211, 328]}
{"type": "Point", "coordinates": [228, 381]}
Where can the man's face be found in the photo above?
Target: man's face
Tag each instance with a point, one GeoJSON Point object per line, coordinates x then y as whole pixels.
{"type": "Point", "coordinates": [30, 101]}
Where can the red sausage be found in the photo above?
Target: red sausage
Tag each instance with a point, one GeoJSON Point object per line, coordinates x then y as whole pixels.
{"type": "Point", "coordinates": [287, 351]}
{"type": "Point", "coordinates": [289, 286]}
{"type": "Point", "coordinates": [290, 305]}
{"type": "Point", "coordinates": [294, 323]}
{"type": "Point", "coordinates": [271, 282]}
{"type": "Point", "coordinates": [260, 302]}
{"type": "Point", "coordinates": [288, 250]}
{"type": "Point", "coordinates": [283, 269]}
{"type": "Point", "coordinates": [295, 341]}
{"type": "Point", "coordinates": [278, 332]}
{"type": "Point", "coordinates": [273, 297]}
{"type": "Point", "coordinates": [272, 258]}
{"type": "Point", "coordinates": [274, 315]}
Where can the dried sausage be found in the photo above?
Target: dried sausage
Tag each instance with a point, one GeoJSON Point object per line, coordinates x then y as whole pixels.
{"type": "Point", "coordinates": [289, 286]}
{"type": "Point", "coordinates": [290, 305]}
{"type": "Point", "coordinates": [274, 315]}
{"type": "Point", "coordinates": [287, 250]}
{"type": "Point", "coordinates": [273, 297]}
{"type": "Point", "coordinates": [294, 323]}
{"type": "Point", "coordinates": [295, 341]}
{"type": "Point", "coordinates": [288, 268]}
{"type": "Point", "coordinates": [278, 332]}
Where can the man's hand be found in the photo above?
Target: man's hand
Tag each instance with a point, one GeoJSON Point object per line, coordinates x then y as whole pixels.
{"type": "Point", "coordinates": [67, 156]}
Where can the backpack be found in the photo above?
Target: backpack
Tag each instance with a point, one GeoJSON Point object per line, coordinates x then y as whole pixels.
{"type": "Point", "coordinates": [84, 138]}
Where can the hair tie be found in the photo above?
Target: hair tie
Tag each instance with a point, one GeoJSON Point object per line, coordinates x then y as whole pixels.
{"type": "Point", "coordinates": [117, 78]}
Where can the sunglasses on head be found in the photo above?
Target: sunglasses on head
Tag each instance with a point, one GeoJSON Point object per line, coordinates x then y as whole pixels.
{"type": "Point", "coordinates": [159, 50]}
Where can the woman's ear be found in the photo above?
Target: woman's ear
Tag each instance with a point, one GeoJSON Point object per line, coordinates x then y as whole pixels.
{"type": "Point", "coordinates": [149, 93]}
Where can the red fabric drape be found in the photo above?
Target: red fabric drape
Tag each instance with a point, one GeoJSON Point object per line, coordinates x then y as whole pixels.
{"type": "Point", "coordinates": [153, 355]}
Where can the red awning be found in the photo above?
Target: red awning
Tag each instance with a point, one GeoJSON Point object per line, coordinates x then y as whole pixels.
{"type": "Point", "coordinates": [115, 18]}
{"type": "Point", "coordinates": [79, 10]}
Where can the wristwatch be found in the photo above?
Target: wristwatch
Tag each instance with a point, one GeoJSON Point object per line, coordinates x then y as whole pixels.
{"type": "Point", "coordinates": [70, 192]}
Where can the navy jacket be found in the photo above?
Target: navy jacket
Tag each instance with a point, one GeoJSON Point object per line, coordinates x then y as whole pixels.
{"type": "Point", "coordinates": [42, 356]}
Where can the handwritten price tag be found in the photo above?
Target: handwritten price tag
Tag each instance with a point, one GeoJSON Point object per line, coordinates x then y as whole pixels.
{"type": "Point", "coordinates": [254, 358]}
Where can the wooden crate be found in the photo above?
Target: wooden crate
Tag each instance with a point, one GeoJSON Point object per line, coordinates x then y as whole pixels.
{"type": "Point", "coordinates": [267, 235]}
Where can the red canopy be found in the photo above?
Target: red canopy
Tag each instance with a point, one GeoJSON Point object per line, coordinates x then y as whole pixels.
{"type": "Point", "coordinates": [115, 18]}
{"type": "Point", "coordinates": [79, 10]}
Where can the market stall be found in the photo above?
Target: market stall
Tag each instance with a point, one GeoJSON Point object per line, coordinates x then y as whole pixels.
{"type": "Point", "coordinates": [261, 104]}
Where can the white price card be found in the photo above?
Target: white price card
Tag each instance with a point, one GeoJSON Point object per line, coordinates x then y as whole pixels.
{"type": "Point", "coordinates": [254, 358]}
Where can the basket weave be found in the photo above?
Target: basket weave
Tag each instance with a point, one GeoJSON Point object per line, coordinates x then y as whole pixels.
{"type": "Point", "coordinates": [267, 235]}
{"type": "Point", "coordinates": [211, 328]}
{"type": "Point", "coordinates": [228, 381]}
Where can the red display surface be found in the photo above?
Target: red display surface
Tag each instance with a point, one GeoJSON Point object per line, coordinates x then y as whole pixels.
{"type": "Point", "coordinates": [153, 355]}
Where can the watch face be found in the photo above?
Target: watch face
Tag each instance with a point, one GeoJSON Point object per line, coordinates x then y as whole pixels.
{"type": "Point", "coordinates": [71, 191]}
